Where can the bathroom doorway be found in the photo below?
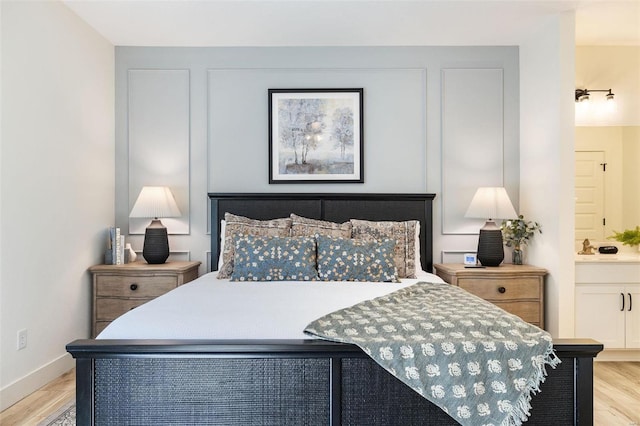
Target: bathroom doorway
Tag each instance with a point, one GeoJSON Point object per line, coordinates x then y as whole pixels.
{"type": "Point", "coordinates": [589, 185]}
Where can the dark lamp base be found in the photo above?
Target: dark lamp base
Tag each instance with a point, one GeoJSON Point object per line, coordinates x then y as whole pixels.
{"type": "Point", "coordinates": [156, 243]}
{"type": "Point", "coordinates": [490, 245]}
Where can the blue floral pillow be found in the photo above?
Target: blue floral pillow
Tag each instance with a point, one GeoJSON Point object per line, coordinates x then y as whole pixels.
{"type": "Point", "coordinates": [342, 259]}
{"type": "Point", "coordinates": [274, 259]}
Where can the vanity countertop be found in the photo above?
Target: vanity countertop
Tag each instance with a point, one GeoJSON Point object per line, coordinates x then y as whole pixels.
{"type": "Point", "coordinates": [607, 258]}
{"type": "Point", "coordinates": [623, 256]}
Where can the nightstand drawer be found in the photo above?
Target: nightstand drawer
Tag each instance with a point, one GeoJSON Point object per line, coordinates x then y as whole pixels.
{"type": "Point", "coordinates": [528, 311]}
{"type": "Point", "coordinates": [518, 289]}
{"type": "Point", "coordinates": [119, 288]}
{"type": "Point", "coordinates": [140, 286]}
{"type": "Point", "coordinates": [497, 290]}
{"type": "Point", "coordinates": [109, 309]}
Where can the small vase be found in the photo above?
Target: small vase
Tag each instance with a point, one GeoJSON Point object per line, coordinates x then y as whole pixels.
{"type": "Point", "coordinates": [132, 254]}
{"type": "Point", "coordinates": [517, 256]}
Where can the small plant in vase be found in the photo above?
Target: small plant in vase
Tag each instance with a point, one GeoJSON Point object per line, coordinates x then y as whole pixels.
{"type": "Point", "coordinates": [517, 233]}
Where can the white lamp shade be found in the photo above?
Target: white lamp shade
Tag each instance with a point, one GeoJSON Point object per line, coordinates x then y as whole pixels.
{"type": "Point", "coordinates": [156, 202]}
{"type": "Point", "coordinates": [491, 203]}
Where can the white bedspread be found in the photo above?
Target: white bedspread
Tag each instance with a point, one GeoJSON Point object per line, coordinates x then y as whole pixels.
{"type": "Point", "coordinates": [209, 308]}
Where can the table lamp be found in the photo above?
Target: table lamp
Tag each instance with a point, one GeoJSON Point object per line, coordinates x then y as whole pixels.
{"type": "Point", "coordinates": [490, 203]}
{"type": "Point", "coordinates": [155, 202]}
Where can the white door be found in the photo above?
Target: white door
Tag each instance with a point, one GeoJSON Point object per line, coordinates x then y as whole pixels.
{"type": "Point", "coordinates": [589, 196]}
{"type": "Point", "coordinates": [599, 314]}
{"type": "Point", "coordinates": [632, 308]}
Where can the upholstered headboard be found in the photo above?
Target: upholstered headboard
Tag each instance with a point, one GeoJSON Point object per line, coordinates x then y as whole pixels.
{"type": "Point", "coordinates": [333, 207]}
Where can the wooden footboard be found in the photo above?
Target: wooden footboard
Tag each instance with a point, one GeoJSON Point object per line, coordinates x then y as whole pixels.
{"type": "Point", "coordinates": [306, 382]}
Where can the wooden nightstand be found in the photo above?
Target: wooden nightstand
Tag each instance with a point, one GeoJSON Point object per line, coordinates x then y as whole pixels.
{"type": "Point", "coordinates": [518, 289]}
{"type": "Point", "coordinates": [120, 288]}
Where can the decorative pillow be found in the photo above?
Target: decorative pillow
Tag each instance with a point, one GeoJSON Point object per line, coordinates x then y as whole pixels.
{"type": "Point", "coordinates": [274, 259]}
{"type": "Point", "coordinates": [342, 259]}
{"type": "Point", "coordinates": [238, 226]}
{"type": "Point", "coordinates": [404, 233]}
{"type": "Point", "coordinates": [418, 260]}
{"type": "Point", "coordinates": [302, 226]}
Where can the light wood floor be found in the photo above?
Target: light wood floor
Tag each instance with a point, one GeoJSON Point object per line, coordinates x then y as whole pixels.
{"type": "Point", "coordinates": [39, 405]}
{"type": "Point", "coordinates": [616, 394]}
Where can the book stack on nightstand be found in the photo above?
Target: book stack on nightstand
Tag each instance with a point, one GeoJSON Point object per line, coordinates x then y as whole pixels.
{"type": "Point", "coordinates": [120, 288]}
{"type": "Point", "coordinates": [518, 289]}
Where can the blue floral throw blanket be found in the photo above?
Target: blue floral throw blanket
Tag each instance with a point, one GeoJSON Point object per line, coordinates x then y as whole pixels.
{"type": "Point", "coordinates": [478, 363]}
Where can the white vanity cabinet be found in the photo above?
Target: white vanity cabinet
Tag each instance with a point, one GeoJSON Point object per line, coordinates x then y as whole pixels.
{"type": "Point", "coordinates": [608, 303]}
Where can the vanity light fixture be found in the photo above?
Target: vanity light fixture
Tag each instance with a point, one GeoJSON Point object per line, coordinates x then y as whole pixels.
{"type": "Point", "coordinates": [582, 95]}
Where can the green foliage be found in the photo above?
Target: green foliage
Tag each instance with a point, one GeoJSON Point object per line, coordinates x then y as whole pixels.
{"type": "Point", "coordinates": [518, 232]}
{"type": "Point", "coordinates": [629, 237]}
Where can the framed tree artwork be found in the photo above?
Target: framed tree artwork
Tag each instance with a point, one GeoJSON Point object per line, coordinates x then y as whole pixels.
{"type": "Point", "coordinates": [315, 136]}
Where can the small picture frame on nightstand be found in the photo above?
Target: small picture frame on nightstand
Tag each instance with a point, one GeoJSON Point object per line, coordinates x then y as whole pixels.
{"type": "Point", "coordinates": [470, 259]}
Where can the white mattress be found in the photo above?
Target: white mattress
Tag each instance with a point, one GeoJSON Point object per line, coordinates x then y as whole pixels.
{"type": "Point", "coordinates": [209, 308]}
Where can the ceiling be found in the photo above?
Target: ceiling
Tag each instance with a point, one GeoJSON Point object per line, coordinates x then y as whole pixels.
{"type": "Point", "coordinates": [613, 23]}
{"type": "Point", "coordinates": [351, 22]}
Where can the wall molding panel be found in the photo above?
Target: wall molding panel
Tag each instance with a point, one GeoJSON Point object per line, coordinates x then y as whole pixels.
{"type": "Point", "coordinates": [472, 141]}
{"type": "Point", "coordinates": [394, 125]}
{"type": "Point", "coordinates": [213, 102]}
{"type": "Point", "coordinates": [158, 112]}
{"type": "Point", "coordinates": [454, 256]}
{"type": "Point", "coordinates": [208, 261]}
{"type": "Point", "coordinates": [179, 255]}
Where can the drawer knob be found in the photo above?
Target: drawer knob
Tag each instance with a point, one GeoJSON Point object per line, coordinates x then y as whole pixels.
{"type": "Point", "coordinates": [133, 287]}
{"type": "Point", "coordinates": [501, 290]}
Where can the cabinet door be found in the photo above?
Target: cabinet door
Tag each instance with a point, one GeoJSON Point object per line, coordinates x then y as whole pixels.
{"type": "Point", "coordinates": [632, 293]}
{"type": "Point", "coordinates": [599, 314]}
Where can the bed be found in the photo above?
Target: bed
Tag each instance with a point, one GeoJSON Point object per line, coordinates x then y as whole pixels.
{"type": "Point", "coordinates": [265, 381]}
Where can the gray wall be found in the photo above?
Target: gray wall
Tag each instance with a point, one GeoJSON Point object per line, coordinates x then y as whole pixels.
{"type": "Point", "coordinates": [436, 119]}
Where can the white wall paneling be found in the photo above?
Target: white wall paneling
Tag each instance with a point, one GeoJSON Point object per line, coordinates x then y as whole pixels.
{"type": "Point", "coordinates": [159, 139]}
{"type": "Point", "coordinates": [179, 256]}
{"type": "Point", "coordinates": [207, 257]}
{"type": "Point", "coordinates": [472, 141]}
{"type": "Point", "coordinates": [454, 256]}
{"type": "Point", "coordinates": [174, 255]}
{"type": "Point", "coordinates": [394, 126]}
{"type": "Point", "coordinates": [228, 117]}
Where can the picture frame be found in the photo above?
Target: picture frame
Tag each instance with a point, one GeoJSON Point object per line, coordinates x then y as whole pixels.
{"type": "Point", "coordinates": [316, 136]}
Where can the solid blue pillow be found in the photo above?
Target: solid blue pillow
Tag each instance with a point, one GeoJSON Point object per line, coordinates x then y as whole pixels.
{"type": "Point", "coordinates": [341, 259]}
{"type": "Point", "coordinates": [274, 259]}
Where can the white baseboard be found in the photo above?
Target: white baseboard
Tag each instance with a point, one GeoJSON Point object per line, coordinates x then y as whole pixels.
{"type": "Point", "coordinates": [33, 381]}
